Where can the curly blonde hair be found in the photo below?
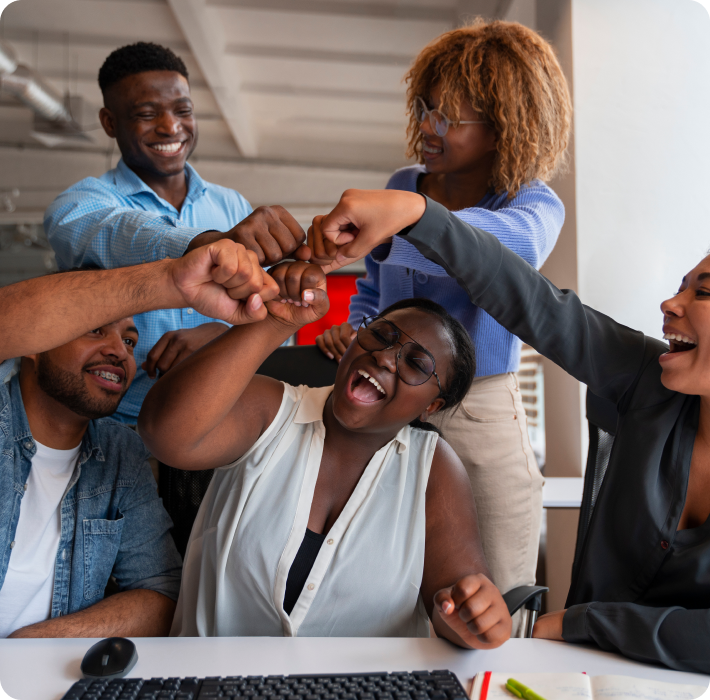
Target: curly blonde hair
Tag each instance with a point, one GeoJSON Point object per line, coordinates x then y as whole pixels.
{"type": "Point", "coordinates": [510, 74]}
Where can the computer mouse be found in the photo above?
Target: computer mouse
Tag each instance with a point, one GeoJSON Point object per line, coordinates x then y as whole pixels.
{"type": "Point", "coordinates": [110, 658]}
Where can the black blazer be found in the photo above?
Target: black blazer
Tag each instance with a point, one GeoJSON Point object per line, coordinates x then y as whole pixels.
{"type": "Point", "coordinates": [634, 522]}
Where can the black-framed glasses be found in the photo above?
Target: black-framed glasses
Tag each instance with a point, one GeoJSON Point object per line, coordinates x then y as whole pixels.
{"type": "Point", "coordinates": [439, 122]}
{"type": "Point", "coordinates": [415, 364]}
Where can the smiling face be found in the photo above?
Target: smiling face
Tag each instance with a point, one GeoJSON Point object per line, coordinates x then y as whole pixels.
{"type": "Point", "coordinates": [370, 397]}
{"type": "Point", "coordinates": [91, 374]}
{"type": "Point", "coordinates": [464, 148]}
{"type": "Point", "coordinates": [686, 326]}
{"type": "Point", "coordinates": [151, 117]}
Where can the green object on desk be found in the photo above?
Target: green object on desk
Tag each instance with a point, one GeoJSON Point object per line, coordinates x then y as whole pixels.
{"type": "Point", "coordinates": [521, 691]}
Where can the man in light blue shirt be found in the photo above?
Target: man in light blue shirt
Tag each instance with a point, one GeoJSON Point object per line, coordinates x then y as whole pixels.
{"type": "Point", "coordinates": [154, 205]}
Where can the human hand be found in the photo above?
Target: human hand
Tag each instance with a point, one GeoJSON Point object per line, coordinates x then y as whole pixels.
{"type": "Point", "coordinates": [223, 280]}
{"type": "Point", "coordinates": [270, 232]}
{"type": "Point", "coordinates": [361, 220]}
{"type": "Point", "coordinates": [334, 341]}
{"type": "Point", "coordinates": [475, 610]}
{"type": "Point", "coordinates": [174, 346]}
{"type": "Point", "coordinates": [302, 294]}
{"type": "Point", "coordinates": [549, 626]}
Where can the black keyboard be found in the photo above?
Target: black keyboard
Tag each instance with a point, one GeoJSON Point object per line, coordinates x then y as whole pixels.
{"type": "Point", "coordinates": [418, 685]}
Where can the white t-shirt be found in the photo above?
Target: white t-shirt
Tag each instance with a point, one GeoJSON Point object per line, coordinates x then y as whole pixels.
{"type": "Point", "coordinates": [26, 594]}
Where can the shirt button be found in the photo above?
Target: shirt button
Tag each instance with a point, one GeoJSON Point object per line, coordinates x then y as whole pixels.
{"type": "Point", "coordinates": [421, 278]}
{"type": "Point", "coordinates": [28, 445]}
{"type": "Point", "coordinates": [664, 544]}
{"type": "Point", "coordinates": [12, 544]}
{"type": "Point", "coordinates": [189, 311]}
{"type": "Point", "coordinates": [311, 586]}
{"type": "Point", "coordinates": [331, 540]}
{"type": "Point", "coordinates": [25, 487]}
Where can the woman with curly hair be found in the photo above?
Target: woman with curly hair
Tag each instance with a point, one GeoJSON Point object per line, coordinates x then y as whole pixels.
{"type": "Point", "coordinates": [489, 121]}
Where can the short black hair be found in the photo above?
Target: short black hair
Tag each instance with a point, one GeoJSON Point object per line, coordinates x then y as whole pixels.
{"type": "Point", "coordinates": [138, 58]}
{"type": "Point", "coordinates": [463, 360]}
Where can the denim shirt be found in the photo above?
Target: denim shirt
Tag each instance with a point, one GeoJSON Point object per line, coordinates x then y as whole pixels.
{"type": "Point", "coordinates": [112, 520]}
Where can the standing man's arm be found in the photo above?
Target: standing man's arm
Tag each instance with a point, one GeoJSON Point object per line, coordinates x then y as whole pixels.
{"type": "Point", "coordinates": [222, 280]}
{"type": "Point", "coordinates": [89, 225]}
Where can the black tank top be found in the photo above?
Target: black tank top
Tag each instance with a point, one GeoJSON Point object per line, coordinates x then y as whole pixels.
{"type": "Point", "coordinates": [301, 568]}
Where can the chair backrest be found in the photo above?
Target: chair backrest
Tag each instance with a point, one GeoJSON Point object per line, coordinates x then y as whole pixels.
{"type": "Point", "coordinates": [602, 418]}
{"type": "Point", "coordinates": [182, 491]}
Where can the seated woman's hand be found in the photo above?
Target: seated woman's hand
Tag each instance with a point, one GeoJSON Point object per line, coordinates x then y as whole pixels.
{"type": "Point", "coordinates": [334, 341]}
{"type": "Point", "coordinates": [302, 295]}
{"type": "Point", "coordinates": [475, 610]}
{"type": "Point", "coordinates": [549, 626]}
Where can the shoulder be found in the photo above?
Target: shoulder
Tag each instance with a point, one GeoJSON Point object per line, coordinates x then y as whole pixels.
{"type": "Point", "coordinates": [120, 444]}
{"type": "Point", "coordinates": [90, 187]}
{"type": "Point", "coordinates": [405, 178]}
{"type": "Point", "coordinates": [230, 196]}
{"type": "Point", "coordinates": [536, 193]}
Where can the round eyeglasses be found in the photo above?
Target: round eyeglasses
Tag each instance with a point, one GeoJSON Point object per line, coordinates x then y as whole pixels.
{"type": "Point", "coordinates": [415, 364]}
{"type": "Point", "coordinates": [439, 122]}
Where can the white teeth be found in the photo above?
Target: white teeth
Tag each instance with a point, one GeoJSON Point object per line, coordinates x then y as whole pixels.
{"type": "Point", "coordinates": [430, 149]}
{"type": "Point", "coordinates": [167, 147]}
{"type": "Point", "coordinates": [679, 338]}
{"type": "Point", "coordinates": [373, 381]}
{"type": "Point", "coordinates": [107, 375]}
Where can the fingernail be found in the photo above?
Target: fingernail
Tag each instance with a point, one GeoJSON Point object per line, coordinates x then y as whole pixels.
{"type": "Point", "coordinates": [330, 355]}
{"type": "Point", "coordinates": [447, 607]}
{"type": "Point", "coordinates": [297, 303]}
{"type": "Point", "coordinates": [308, 295]}
{"type": "Point", "coordinates": [340, 257]}
{"type": "Point", "coordinates": [305, 306]}
{"type": "Point", "coordinates": [257, 302]}
{"type": "Point", "coordinates": [283, 301]}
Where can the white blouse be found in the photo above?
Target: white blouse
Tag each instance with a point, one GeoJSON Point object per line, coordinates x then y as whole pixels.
{"type": "Point", "coordinates": [365, 581]}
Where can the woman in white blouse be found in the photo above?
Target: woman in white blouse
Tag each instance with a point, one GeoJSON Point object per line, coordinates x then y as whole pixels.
{"type": "Point", "coordinates": [328, 514]}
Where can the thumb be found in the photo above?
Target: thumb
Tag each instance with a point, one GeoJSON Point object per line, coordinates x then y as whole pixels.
{"type": "Point", "coordinates": [249, 311]}
{"type": "Point", "coordinates": [444, 602]}
{"type": "Point", "coordinates": [317, 299]}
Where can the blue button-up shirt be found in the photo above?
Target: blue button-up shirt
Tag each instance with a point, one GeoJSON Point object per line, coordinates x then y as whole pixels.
{"type": "Point", "coordinates": [111, 519]}
{"type": "Point", "coordinates": [117, 220]}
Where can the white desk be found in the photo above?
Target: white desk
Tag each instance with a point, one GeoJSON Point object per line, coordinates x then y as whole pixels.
{"type": "Point", "coordinates": [44, 669]}
{"type": "Point", "coordinates": [562, 492]}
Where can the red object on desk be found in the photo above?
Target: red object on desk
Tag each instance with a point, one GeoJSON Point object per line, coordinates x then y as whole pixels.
{"type": "Point", "coordinates": [340, 289]}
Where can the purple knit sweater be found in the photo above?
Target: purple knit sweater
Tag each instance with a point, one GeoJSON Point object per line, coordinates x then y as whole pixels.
{"type": "Point", "coordinates": [528, 224]}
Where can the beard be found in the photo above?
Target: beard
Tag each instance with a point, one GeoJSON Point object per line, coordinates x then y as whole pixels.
{"type": "Point", "coordinates": [70, 390]}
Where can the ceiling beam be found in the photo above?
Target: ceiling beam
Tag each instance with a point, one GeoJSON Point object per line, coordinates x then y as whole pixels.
{"type": "Point", "coordinates": [204, 39]}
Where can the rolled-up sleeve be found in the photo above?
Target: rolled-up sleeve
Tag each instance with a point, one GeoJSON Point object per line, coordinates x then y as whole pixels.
{"type": "Point", "coordinates": [147, 557]}
{"type": "Point", "coordinates": [90, 225]}
{"type": "Point", "coordinates": [676, 637]}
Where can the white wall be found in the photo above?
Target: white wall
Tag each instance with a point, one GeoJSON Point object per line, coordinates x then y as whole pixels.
{"type": "Point", "coordinates": [642, 101]}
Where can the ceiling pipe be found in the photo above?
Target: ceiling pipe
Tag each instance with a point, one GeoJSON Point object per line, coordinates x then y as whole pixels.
{"type": "Point", "coordinates": [29, 87]}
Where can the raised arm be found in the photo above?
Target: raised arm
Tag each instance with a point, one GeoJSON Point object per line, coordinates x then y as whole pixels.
{"type": "Point", "coordinates": [587, 344]}
{"type": "Point", "coordinates": [222, 280]}
{"type": "Point", "coordinates": [211, 408]}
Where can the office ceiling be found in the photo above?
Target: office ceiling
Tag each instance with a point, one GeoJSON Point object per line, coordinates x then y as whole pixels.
{"type": "Point", "coordinates": [284, 81]}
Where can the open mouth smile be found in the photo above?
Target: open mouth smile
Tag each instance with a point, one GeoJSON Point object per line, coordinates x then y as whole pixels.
{"type": "Point", "coordinates": [108, 379]}
{"type": "Point", "coordinates": [168, 149]}
{"type": "Point", "coordinates": [365, 388]}
{"type": "Point", "coordinates": [679, 342]}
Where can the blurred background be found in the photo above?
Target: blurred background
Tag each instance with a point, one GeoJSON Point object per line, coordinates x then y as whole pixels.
{"type": "Point", "coordinates": [298, 100]}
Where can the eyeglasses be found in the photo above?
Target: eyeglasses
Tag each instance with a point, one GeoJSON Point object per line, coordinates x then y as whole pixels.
{"type": "Point", "coordinates": [439, 122]}
{"type": "Point", "coordinates": [415, 364]}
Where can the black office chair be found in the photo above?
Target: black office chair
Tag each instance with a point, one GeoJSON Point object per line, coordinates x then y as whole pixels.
{"type": "Point", "coordinates": [602, 417]}
{"type": "Point", "coordinates": [182, 491]}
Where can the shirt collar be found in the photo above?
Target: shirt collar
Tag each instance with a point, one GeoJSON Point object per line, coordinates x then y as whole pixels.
{"type": "Point", "coordinates": [310, 410]}
{"type": "Point", "coordinates": [129, 184]}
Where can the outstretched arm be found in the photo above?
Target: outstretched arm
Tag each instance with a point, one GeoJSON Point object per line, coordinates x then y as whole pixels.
{"type": "Point", "coordinates": [222, 280]}
{"type": "Point", "coordinates": [138, 613]}
{"type": "Point", "coordinates": [210, 409]}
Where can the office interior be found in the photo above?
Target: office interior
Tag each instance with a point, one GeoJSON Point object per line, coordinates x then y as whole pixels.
{"type": "Point", "coordinates": [298, 100]}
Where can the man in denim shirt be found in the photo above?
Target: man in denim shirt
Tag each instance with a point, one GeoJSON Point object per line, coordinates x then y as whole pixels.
{"type": "Point", "coordinates": [78, 502]}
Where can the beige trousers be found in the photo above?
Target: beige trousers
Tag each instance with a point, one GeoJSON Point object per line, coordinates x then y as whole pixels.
{"type": "Point", "coordinates": [489, 434]}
